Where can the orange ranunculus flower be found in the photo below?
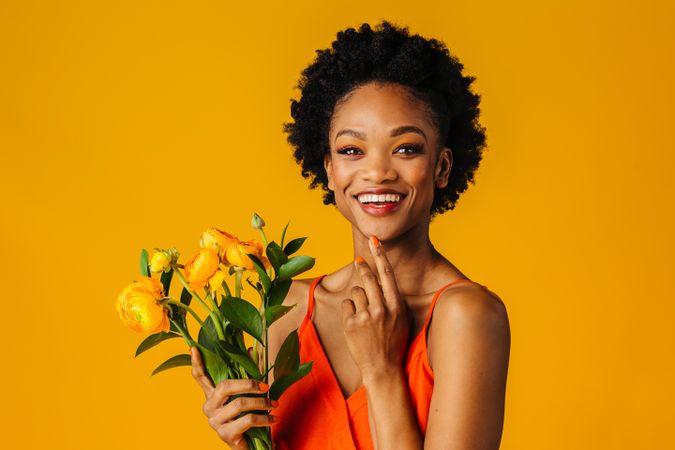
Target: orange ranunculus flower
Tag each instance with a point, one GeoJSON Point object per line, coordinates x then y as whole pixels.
{"type": "Point", "coordinates": [217, 240]}
{"type": "Point", "coordinates": [201, 267]}
{"type": "Point", "coordinates": [139, 308]}
{"type": "Point", "coordinates": [236, 254]}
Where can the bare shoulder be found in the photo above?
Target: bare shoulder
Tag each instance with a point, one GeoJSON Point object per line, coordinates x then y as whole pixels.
{"type": "Point", "coordinates": [471, 303]}
{"type": "Point", "coordinates": [469, 311]}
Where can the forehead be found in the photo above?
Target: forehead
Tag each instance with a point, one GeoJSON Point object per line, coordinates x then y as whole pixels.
{"type": "Point", "coordinates": [377, 105]}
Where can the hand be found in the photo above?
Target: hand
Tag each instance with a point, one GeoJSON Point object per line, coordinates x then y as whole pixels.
{"type": "Point", "coordinates": [223, 417]}
{"type": "Point", "coordinates": [375, 319]}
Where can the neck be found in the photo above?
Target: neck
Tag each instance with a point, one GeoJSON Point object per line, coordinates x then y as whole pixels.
{"type": "Point", "coordinates": [412, 255]}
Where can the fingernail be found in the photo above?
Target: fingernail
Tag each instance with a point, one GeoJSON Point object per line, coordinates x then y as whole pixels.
{"type": "Point", "coordinates": [374, 242]}
{"type": "Point", "coordinates": [274, 403]}
{"type": "Point", "coordinates": [273, 418]}
{"type": "Point", "coordinates": [263, 386]}
{"type": "Point", "coordinates": [359, 259]}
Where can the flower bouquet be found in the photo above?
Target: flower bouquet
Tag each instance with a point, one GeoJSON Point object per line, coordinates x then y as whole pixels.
{"type": "Point", "coordinates": [146, 306]}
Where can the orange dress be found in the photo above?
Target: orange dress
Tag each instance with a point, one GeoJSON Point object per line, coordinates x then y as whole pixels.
{"type": "Point", "coordinates": [313, 413]}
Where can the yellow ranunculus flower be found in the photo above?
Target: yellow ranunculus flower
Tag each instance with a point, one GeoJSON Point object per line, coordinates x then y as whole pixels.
{"type": "Point", "coordinates": [236, 254]}
{"type": "Point", "coordinates": [139, 308]}
{"type": "Point", "coordinates": [217, 240]}
{"type": "Point", "coordinates": [216, 281]}
{"type": "Point", "coordinates": [160, 262]}
{"type": "Point", "coordinates": [201, 267]}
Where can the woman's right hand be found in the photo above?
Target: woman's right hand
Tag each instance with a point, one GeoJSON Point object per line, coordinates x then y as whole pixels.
{"type": "Point", "coordinates": [222, 417]}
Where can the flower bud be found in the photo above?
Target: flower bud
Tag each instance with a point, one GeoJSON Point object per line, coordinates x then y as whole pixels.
{"type": "Point", "coordinates": [257, 222]}
{"type": "Point", "coordinates": [160, 262]}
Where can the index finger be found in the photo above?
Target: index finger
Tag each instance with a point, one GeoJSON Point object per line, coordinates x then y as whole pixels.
{"type": "Point", "coordinates": [386, 271]}
{"type": "Point", "coordinates": [198, 372]}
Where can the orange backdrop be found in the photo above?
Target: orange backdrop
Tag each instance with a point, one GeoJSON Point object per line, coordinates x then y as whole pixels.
{"type": "Point", "coordinates": [134, 124]}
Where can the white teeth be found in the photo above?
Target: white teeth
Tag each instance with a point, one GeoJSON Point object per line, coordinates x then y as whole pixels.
{"type": "Point", "coordinates": [370, 198]}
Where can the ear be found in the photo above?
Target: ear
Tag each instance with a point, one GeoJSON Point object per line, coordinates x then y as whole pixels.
{"type": "Point", "coordinates": [443, 166]}
{"type": "Point", "coordinates": [328, 166]}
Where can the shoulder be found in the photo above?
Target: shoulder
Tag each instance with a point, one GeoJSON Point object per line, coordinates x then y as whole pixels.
{"type": "Point", "coordinates": [471, 314]}
{"type": "Point", "coordinates": [471, 304]}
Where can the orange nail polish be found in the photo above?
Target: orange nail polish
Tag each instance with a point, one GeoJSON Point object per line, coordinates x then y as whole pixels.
{"type": "Point", "coordinates": [375, 241]}
{"type": "Point", "coordinates": [263, 386]}
{"type": "Point", "coordinates": [274, 403]}
{"type": "Point", "coordinates": [359, 259]}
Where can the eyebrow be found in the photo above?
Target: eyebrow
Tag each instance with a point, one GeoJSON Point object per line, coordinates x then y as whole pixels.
{"type": "Point", "coordinates": [395, 132]}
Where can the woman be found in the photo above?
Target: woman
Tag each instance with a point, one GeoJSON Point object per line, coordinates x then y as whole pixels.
{"type": "Point", "coordinates": [387, 126]}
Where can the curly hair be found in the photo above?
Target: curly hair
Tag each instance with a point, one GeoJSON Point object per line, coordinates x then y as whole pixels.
{"type": "Point", "coordinates": [388, 54]}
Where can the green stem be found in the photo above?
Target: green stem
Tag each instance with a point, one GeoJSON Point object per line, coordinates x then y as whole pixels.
{"type": "Point", "coordinates": [187, 340]}
{"type": "Point", "coordinates": [194, 314]}
{"type": "Point", "coordinates": [237, 282]}
{"type": "Point", "coordinates": [215, 317]}
{"type": "Point", "coordinates": [264, 237]}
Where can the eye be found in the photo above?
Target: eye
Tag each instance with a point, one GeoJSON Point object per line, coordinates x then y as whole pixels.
{"type": "Point", "coordinates": [349, 151]}
{"type": "Point", "coordinates": [412, 149]}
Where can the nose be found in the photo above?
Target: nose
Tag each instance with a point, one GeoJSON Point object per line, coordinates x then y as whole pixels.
{"type": "Point", "coordinates": [378, 168]}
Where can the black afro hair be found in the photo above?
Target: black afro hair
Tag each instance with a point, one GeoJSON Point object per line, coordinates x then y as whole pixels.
{"type": "Point", "coordinates": [388, 54]}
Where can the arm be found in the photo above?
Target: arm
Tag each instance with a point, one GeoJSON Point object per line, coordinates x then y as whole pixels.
{"type": "Point", "coordinates": [470, 355]}
{"type": "Point", "coordinates": [376, 330]}
{"type": "Point", "coordinates": [393, 423]}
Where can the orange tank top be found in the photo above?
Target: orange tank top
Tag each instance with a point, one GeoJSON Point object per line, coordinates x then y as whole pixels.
{"type": "Point", "coordinates": [313, 413]}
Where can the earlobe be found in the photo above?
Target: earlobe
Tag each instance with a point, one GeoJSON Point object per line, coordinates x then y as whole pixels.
{"type": "Point", "coordinates": [328, 167]}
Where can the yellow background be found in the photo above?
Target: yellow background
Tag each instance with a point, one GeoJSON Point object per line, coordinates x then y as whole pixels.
{"type": "Point", "coordinates": [134, 124]}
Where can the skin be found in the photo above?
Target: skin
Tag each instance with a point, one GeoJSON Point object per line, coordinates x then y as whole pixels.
{"type": "Point", "coordinates": [366, 314]}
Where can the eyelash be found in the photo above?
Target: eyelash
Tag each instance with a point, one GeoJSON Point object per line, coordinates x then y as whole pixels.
{"type": "Point", "coordinates": [416, 149]}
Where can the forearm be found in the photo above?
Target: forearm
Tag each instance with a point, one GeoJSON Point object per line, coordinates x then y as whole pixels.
{"type": "Point", "coordinates": [389, 407]}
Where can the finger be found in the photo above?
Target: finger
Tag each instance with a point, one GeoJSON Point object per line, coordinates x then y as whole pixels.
{"type": "Point", "coordinates": [239, 405]}
{"type": "Point", "coordinates": [230, 431]}
{"type": "Point", "coordinates": [348, 309]}
{"type": "Point", "coordinates": [386, 271]}
{"type": "Point", "coordinates": [360, 299]}
{"type": "Point", "coordinates": [199, 373]}
{"type": "Point", "coordinates": [369, 281]}
{"type": "Point", "coordinates": [229, 387]}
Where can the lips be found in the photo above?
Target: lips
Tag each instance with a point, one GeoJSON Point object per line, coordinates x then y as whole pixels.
{"type": "Point", "coordinates": [379, 209]}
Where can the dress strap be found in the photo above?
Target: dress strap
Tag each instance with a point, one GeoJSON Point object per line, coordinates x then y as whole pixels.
{"type": "Point", "coordinates": [310, 300]}
{"type": "Point", "coordinates": [436, 296]}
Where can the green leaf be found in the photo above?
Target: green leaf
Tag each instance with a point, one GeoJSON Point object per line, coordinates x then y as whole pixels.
{"type": "Point", "coordinates": [174, 361]}
{"type": "Point", "coordinates": [274, 312]}
{"type": "Point", "coordinates": [242, 358]}
{"type": "Point", "coordinates": [243, 315]}
{"type": "Point", "coordinates": [294, 245]}
{"type": "Point", "coordinates": [278, 292]}
{"type": "Point", "coordinates": [216, 367]}
{"type": "Point", "coordinates": [165, 278]}
{"type": "Point", "coordinates": [288, 358]}
{"type": "Point", "coordinates": [295, 266]}
{"type": "Point", "coordinates": [260, 268]}
{"type": "Point", "coordinates": [145, 270]}
{"type": "Point", "coordinates": [276, 255]}
{"type": "Point", "coordinates": [178, 314]}
{"type": "Point", "coordinates": [281, 384]}
{"type": "Point", "coordinates": [283, 234]}
{"type": "Point", "coordinates": [153, 340]}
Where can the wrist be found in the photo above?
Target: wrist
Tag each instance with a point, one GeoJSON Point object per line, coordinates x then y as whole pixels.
{"type": "Point", "coordinates": [382, 376]}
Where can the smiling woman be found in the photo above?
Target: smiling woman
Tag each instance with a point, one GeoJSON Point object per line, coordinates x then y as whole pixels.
{"type": "Point", "coordinates": [387, 125]}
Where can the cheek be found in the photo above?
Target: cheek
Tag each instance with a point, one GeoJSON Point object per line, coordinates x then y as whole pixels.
{"type": "Point", "coordinates": [342, 176]}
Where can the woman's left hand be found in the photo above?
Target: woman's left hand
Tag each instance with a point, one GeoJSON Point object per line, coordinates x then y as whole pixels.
{"type": "Point", "coordinates": [375, 319]}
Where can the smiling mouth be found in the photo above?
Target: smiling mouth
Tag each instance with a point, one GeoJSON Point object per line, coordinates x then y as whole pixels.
{"type": "Point", "coordinates": [379, 199]}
